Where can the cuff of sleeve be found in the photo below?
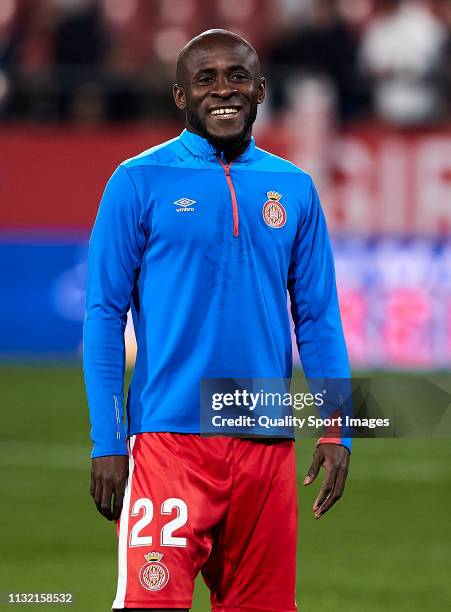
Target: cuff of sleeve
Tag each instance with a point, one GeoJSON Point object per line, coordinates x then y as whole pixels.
{"type": "Point", "coordinates": [346, 442]}
{"type": "Point", "coordinates": [103, 451]}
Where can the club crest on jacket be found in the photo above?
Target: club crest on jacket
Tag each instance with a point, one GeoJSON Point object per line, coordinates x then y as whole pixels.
{"type": "Point", "coordinates": [273, 212]}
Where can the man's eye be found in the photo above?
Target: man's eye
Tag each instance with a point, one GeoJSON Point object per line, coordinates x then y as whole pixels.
{"type": "Point", "coordinates": [205, 80]}
{"type": "Point", "coordinates": [238, 76]}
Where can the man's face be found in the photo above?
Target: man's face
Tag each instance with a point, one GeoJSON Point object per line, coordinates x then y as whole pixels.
{"type": "Point", "coordinates": [221, 90]}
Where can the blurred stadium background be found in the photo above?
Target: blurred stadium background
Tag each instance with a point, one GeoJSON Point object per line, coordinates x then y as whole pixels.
{"type": "Point", "coordinates": [359, 96]}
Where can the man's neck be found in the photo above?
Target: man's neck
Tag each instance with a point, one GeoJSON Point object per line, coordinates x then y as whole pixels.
{"type": "Point", "coordinates": [229, 152]}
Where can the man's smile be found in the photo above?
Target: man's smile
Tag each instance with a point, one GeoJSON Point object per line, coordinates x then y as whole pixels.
{"type": "Point", "coordinates": [224, 112]}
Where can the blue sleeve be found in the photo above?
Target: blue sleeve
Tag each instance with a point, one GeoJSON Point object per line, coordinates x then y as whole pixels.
{"type": "Point", "coordinates": [314, 301]}
{"type": "Point", "coordinates": [115, 250]}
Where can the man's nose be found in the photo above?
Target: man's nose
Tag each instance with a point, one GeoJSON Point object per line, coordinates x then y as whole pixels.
{"type": "Point", "coordinates": [223, 87]}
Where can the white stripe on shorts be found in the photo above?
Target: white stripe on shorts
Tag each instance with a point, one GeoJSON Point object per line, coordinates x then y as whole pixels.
{"type": "Point", "coordinates": [119, 601]}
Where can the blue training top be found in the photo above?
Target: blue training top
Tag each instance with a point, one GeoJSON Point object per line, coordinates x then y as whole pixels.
{"type": "Point", "coordinates": [203, 252]}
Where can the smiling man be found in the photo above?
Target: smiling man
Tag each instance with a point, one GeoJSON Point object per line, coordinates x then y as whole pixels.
{"type": "Point", "coordinates": [202, 236]}
{"type": "Point", "coordinates": [224, 117]}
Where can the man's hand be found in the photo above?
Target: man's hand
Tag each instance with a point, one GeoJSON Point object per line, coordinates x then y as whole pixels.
{"type": "Point", "coordinates": [335, 459]}
{"type": "Point", "coordinates": [108, 479]}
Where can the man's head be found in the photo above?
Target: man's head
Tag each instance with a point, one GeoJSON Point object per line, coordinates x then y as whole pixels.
{"type": "Point", "coordinates": [219, 86]}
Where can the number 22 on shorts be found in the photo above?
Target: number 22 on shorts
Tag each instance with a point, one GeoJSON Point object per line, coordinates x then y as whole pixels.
{"type": "Point", "coordinates": [166, 538]}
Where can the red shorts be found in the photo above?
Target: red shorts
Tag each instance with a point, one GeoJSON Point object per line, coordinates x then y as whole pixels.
{"type": "Point", "coordinates": [221, 506]}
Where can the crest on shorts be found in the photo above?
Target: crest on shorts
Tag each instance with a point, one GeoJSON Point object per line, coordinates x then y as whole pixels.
{"type": "Point", "coordinates": [154, 575]}
{"type": "Point", "coordinates": [273, 212]}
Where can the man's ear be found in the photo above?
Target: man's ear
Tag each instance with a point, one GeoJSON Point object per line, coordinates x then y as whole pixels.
{"type": "Point", "coordinates": [179, 97]}
{"type": "Point", "coordinates": [261, 94]}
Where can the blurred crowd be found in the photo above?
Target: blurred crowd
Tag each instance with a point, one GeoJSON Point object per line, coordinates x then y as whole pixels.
{"type": "Point", "coordinates": [113, 60]}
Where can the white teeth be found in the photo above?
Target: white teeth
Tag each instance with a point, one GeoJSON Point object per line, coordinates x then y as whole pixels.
{"type": "Point", "coordinates": [224, 111]}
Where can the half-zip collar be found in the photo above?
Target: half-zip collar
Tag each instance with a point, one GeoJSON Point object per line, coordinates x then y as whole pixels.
{"type": "Point", "coordinates": [200, 147]}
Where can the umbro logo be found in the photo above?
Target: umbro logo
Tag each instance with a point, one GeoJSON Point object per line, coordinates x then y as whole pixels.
{"type": "Point", "coordinates": [185, 205]}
